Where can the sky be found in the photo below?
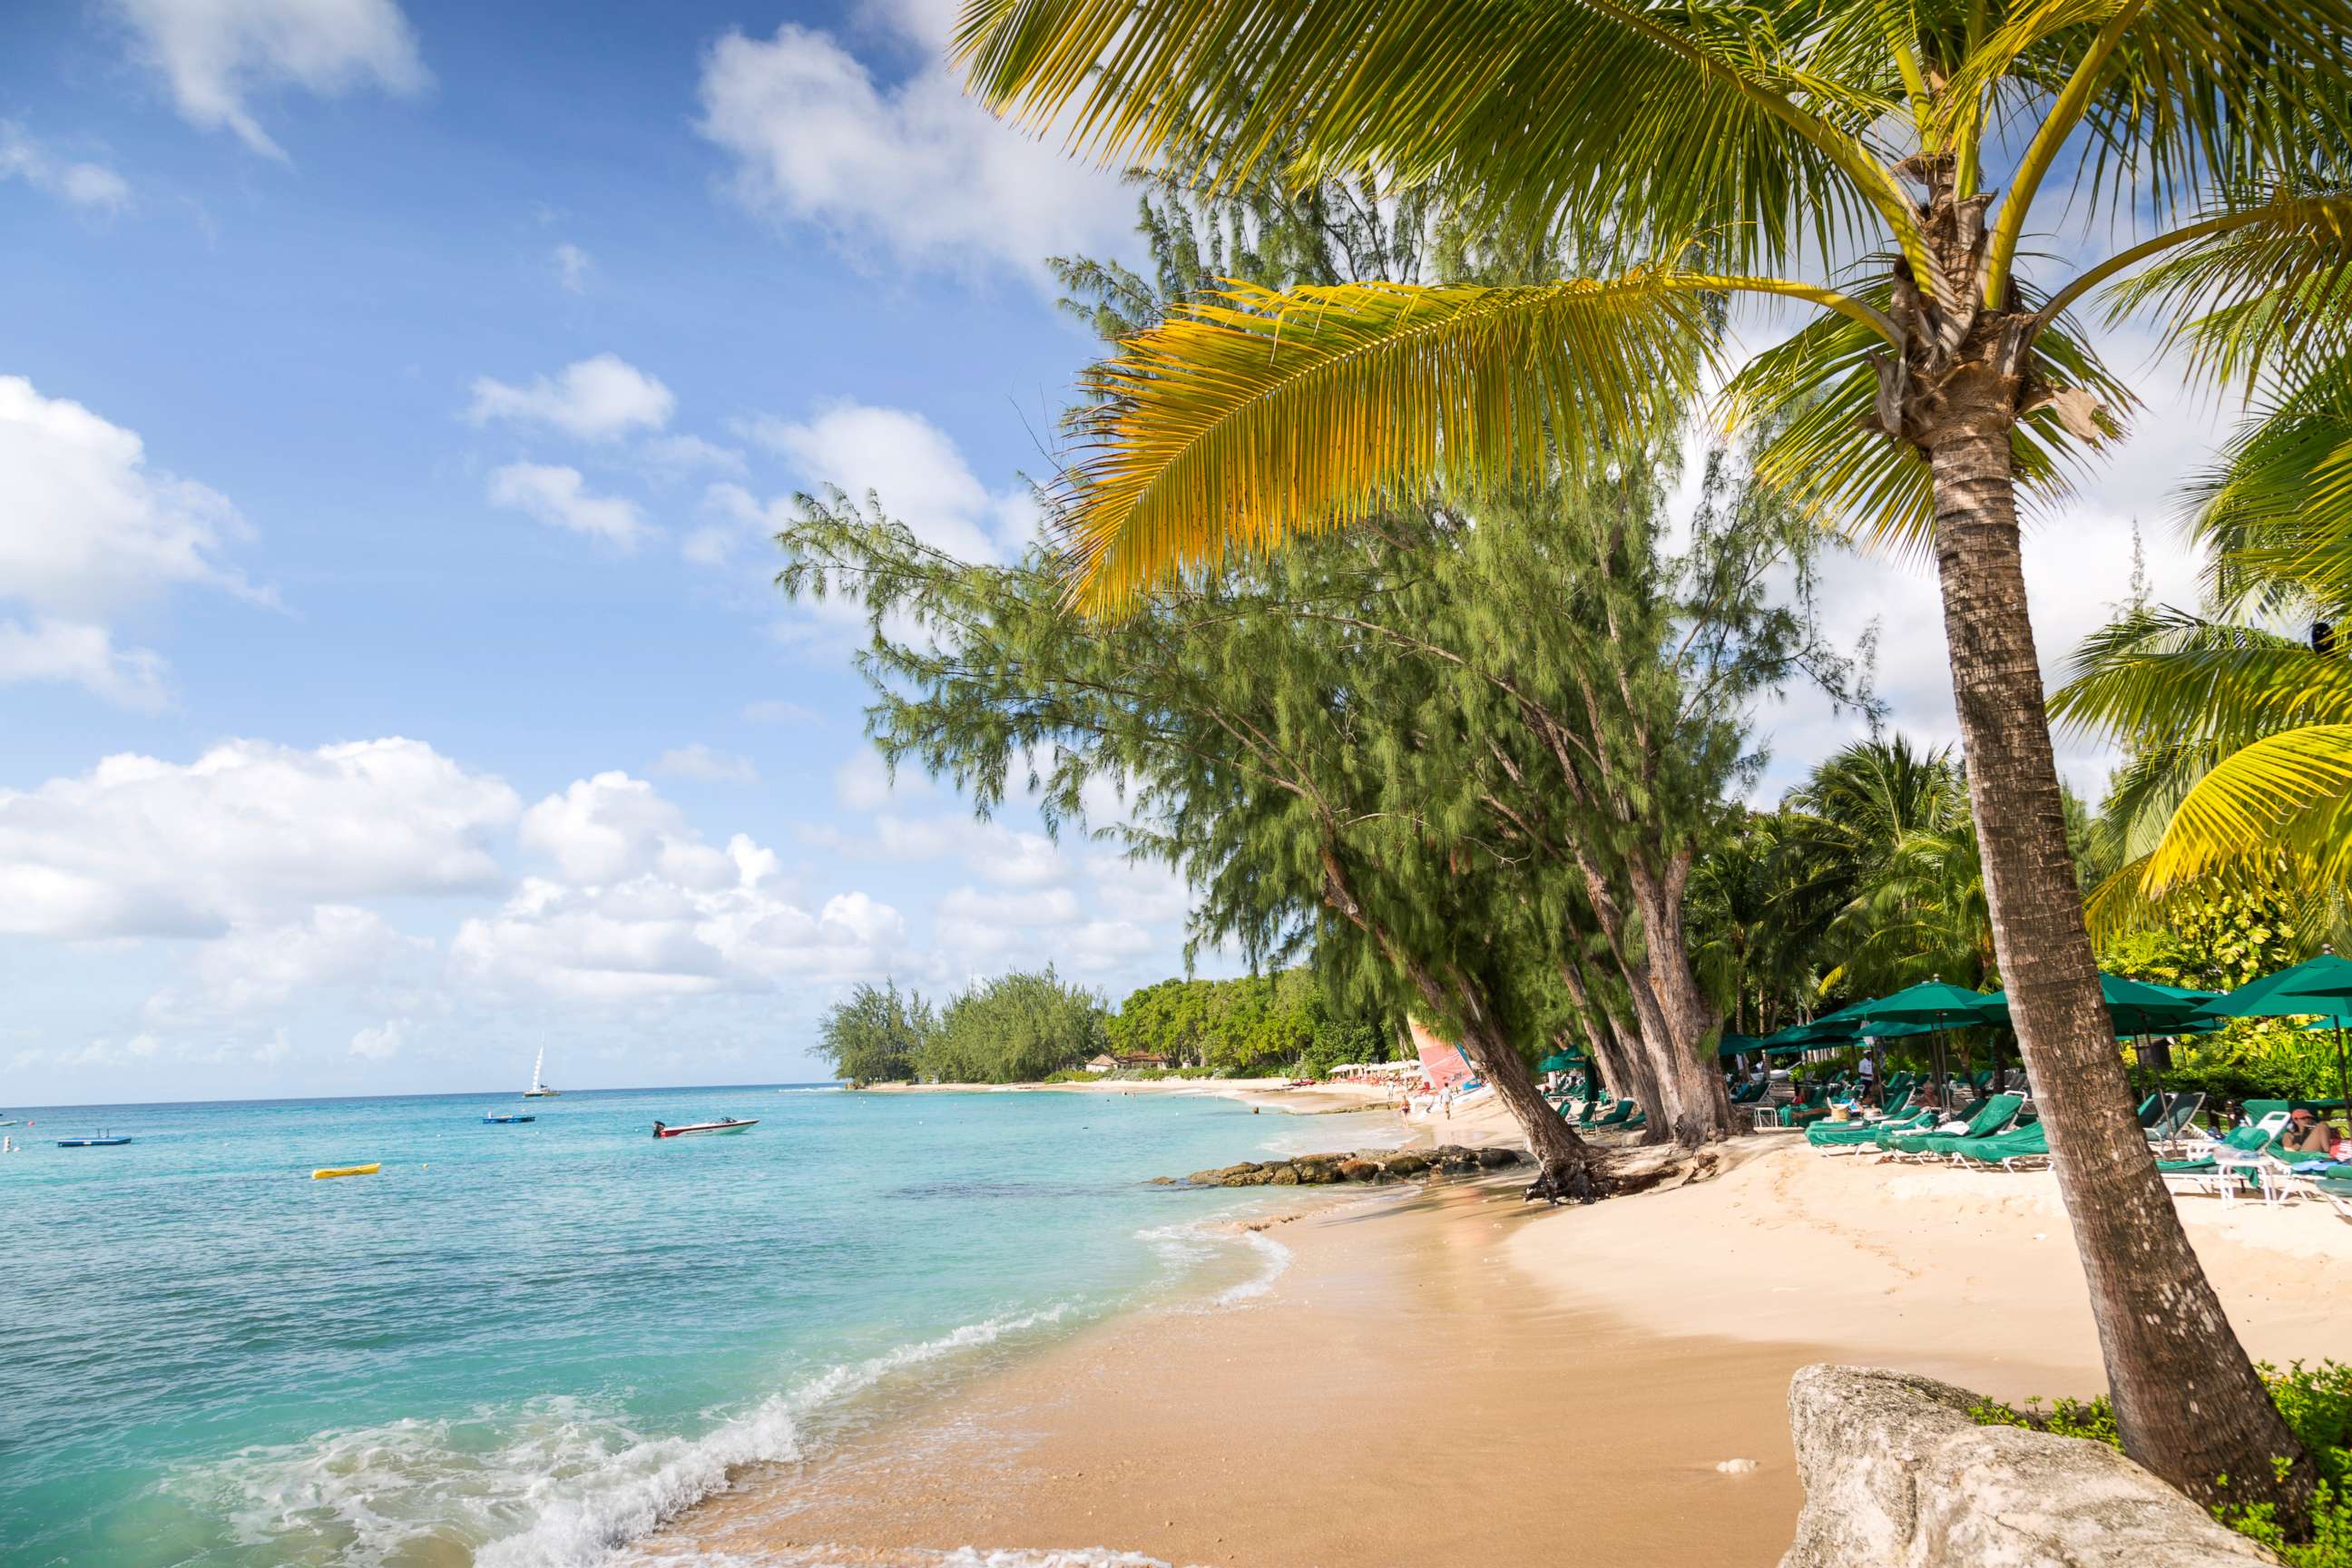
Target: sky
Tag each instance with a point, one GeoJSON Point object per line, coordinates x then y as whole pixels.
{"type": "Point", "coordinates": [396, 397]}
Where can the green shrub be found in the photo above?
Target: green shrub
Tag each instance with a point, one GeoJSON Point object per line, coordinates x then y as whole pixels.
{"type": "Point", "coordinates": [2317, 1405]}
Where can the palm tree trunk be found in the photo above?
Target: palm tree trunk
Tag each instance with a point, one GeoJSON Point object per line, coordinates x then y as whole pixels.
{"type": "Point", "coordinates": [2189, 1405]}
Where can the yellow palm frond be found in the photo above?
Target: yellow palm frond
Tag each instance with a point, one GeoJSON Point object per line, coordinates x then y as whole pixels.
{"type": "Point", "coordinates": [1257, 414]}
{"type": "Point", "coordinates": [2291, 791]}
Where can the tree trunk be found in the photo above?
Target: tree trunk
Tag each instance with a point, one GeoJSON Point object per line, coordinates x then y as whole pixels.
{"type": "Point", "coordinates": [1565, 1161]}
{"type": "Point", "coordinates": [2190, 1405]}
{"type": "Point", "coordinates": [1568, 1164]}
{"type": "Point", "coordinates": [1702, 1108]}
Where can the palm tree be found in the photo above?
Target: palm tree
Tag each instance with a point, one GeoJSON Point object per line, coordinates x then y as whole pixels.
{"type": "Point", "coordinates": [1834, 155]}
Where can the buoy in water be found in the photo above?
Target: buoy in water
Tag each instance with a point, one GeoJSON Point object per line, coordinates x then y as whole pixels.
{"type": "Point", "coordinates": [324, 1171]}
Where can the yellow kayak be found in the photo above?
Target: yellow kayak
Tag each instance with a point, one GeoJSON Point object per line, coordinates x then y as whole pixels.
{"type": "Point", "coordinates": [323, 1172]}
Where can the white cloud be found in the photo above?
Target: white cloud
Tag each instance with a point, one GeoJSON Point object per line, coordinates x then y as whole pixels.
{"type": "Point", "coordinates": [612, 828]}
{"type": "Point", "coordinates": [560, 497]}
{"type": "Point", "coordinates": [378, 1042]}
{"type": "Point", "coordinates": [572, 267]}
{"type": "Point", "coordinates": [863, 782]}
{"type": "Point", "coordinates": [701, 762]}
{"type": "Point", "coordinates": [1139, 890]}
{"type": "Point", "coordinates": [780, 711]}
{"type": "Point", "coordinates": [256, 970]}
{"type": "Point", "coordinates": [596, 399]}
{"type": "Point", "coordinates": [684, 454]}
{"type": "Point", "coordinates": [643, 908]}
{"type": "Point", "coordinates": [216, 54]}
{"type": "Point", "coordinates": [913, 465]}
{"type": "Point", "coordinates": [85, 656]}
{"type": "Point", "coordinates": [2078, 562]}
{"type": "Point", "coordinates": [917, 169]}
{"type": "Point", "coordinates": [91, 186]}
{"type": "Point", "coordinates": [1103, 945]}
{"type": "Point", "coordinates": [989, 850]}
{"type": "Point", "coordinates": [248, 834]}
{"type": "Point", "coordinates": [88, 530]}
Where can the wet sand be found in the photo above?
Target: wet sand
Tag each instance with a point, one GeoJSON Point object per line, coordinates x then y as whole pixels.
{"type": "Point", "coordinates": [1403, 1394]}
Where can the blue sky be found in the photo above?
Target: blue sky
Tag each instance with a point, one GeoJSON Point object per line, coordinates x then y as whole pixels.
{"type": "Point", "coordinates": [393, 401]}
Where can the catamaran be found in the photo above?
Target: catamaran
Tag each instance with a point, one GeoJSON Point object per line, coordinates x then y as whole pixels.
{"type": "Point", "coordinates": [539, 1090]}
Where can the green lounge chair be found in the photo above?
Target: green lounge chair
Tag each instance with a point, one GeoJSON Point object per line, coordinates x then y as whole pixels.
{"type": "Point", "coordinates": [1991, 1117]}
{"type": "Point", "coordinates": [1618, 1114]}
{"type": "Point", "coordinates": [2006, 1150]}
{"type": "Point", "coordinates": [1852, 1135]}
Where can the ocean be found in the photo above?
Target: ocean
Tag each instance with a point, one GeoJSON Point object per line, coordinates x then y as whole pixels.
{"type": "Point", "coordinates": [524, 1345]}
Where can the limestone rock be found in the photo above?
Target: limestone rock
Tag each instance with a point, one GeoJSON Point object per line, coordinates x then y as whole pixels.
{"type": "Point", "coordinates": [1357, 1169]}
{"type": "Point", "coordinates": [1896, 1474]}
{"type": "Point", "coordinates": [1282, 1176]}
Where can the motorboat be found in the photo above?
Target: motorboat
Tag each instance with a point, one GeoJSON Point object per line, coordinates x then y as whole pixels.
{"type": "Point", "coordinates": [94, 1141]}
{"type": "Point", "coordinates": [539, 1090]}
{"type": "Point", "coordinates": [724, 1124]}
{"type": "Point", "coordinates": [504, 1117]}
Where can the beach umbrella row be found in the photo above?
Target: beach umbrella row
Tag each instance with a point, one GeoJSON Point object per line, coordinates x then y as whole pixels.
{"type": "Point", "coordinates": [2321, 988]}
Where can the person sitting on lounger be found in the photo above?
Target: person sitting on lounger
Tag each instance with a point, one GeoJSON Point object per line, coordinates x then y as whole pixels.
{"type": "Point", "coordinates": [2306, 1134]}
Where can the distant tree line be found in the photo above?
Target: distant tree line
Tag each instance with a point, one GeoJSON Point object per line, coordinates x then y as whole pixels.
{"type": "Point", "coordinates": [1024, 1026]}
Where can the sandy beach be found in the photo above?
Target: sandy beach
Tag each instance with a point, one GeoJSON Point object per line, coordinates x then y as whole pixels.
{"type": "Point", "coordinates": [1445, 1375]}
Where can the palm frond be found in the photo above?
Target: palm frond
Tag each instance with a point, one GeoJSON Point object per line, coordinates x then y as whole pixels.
{"type": "Point", "coordinates": [2165, 105]}
{"type": "Point", "coordinates": [2275, 511]}
{"type": "Point", "coordinates": [1738, 122]}
{"type": "Point", "coordinates": [1816, 391]}
{"type": "Point", "coordinates": [2169, 674]}
{"type": "Point", "coordinates": [2290, 791]}
{"type": "Point", "coordinates": [1255, 416]}
{"type": "Point", "coordinates": [2263, 292]}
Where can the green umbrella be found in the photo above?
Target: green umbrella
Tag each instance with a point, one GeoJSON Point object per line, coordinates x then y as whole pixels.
{"type": "Point", "coordinates": [2135, 1009]}
{"type": "Point", "coordinates": [1734, 1045]}
{"type": "Point", "coordinates": [1558, 1061]}
{"type": "Point", "coordinates": [2321, 988]}
{"type": "Point", "coordinates": [1931, 1004]}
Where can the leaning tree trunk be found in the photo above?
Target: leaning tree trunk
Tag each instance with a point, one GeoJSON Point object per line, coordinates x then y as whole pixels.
{"type": "Point", "coordinates": [1568, 1166]}
{"type": "Point", "coordinates": [2189, 1403]}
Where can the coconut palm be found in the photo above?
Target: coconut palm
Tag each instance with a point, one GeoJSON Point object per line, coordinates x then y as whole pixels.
{"type": "Point", "coordinates": [1877, 166]}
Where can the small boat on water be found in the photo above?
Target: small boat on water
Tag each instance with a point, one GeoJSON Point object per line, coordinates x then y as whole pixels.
{"type": "Point", "coordinates": [328, 1173]}
{"type": "Point", "coordinates": [95, 1141]}
{"type": "Point", "coordinates": [504, 1117]}
{"type": "Point", "coordinates": [724, 1124]}
{"type": "Point", "coordinates": [539, 1090]}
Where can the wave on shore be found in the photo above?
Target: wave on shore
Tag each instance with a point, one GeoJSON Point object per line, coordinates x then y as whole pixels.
{"type": "Point", "coordinates": [556, 1485]}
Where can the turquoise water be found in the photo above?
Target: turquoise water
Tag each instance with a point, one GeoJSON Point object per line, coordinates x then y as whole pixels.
{"type": "Point", "coordinates": [526, 1344]}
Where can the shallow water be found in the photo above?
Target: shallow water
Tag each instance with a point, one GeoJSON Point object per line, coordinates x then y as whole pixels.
{"type": "Point", "coordinates": [526, 1344]}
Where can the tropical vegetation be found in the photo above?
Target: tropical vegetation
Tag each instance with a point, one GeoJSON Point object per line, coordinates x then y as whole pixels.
{"type": "Point", "coordinates": [1880, 171]}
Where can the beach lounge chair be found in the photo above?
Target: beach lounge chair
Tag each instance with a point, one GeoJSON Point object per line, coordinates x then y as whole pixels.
{"type": "Point", "coordinates": [1994, 1115]}
{"type": "Point", "coordinates": [2180, 1110]}
{"type": "Point", "coordinates": [2012, 1151]}
{"type": "Point", "coordinates": [2225, 1166]}
{"type": "Point", "coordinates": [1618, 1114]}
{"type": "Point", "coordinates": [1847, 1138]}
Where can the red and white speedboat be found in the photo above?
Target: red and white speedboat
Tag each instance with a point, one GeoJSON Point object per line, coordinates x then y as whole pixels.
{"type": "Point", "coordinates": [724, 1124]}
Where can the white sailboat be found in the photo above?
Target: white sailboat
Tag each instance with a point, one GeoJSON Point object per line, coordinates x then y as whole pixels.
{"type": "Point", "coordinates": [539, 1090]}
